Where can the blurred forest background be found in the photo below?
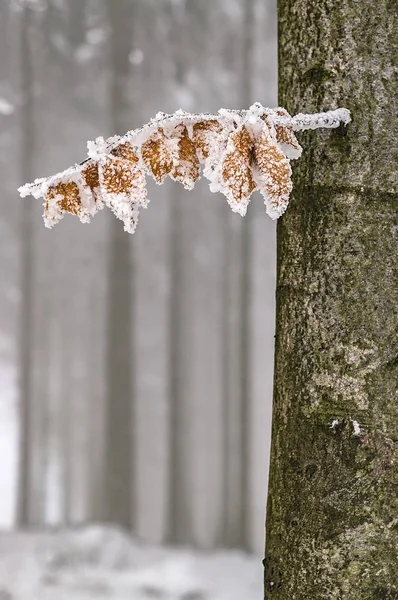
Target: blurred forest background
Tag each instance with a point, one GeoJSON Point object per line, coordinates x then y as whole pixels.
{"type": "Point", "coordinates": [135, 371]}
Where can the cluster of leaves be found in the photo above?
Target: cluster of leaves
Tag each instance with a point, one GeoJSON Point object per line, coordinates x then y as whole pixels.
{"type": "Point", "coordinates": [239, 152]}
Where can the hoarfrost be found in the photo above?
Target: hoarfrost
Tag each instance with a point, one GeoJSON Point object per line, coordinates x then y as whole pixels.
{"type": "Point", "coordinates": [240, 151]}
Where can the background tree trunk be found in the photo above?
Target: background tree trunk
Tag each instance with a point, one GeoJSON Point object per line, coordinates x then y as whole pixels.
{"type": "Point", "coordinates": [27, 274]}
{"type": "Point", "coordinates": [332, 508]}
{"type": "Point", "coordinates": [119, 477]}
{"type": "Point", "coordinates": [179, 521]}
{"type": "Point", "coordinates": [238, 288]}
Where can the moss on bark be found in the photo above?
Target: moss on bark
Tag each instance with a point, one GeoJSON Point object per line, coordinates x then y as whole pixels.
{"type": "Point", "coordinates": [332, 515]}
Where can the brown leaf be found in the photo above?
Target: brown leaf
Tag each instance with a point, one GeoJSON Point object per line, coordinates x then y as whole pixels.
{"type": "Point", "coordinates": [204, 135]}
{"type": "Point", "coordinates": [67, 197]}
{"type": "Point", "coordinates": [187, 168]}
{"type": "Point", "coordinates": [157, 155]}
{"type": "Point", "coordinates": [126, 152]}
{"type": "Point", "coordinates": [61, 198]}
{"type": "Point", "coordinates": [90, 176]}
{"type": "Point", "coordinates": [121, 178]}
{"type": "Point", "coordinates": [274, 173]}
{"type": "Point", "coordinates": [91, 186]}
{"type": "Point", "coordinates": [236, 173]}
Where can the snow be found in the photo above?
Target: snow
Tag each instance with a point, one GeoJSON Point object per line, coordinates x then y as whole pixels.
{"type": "Point", "coordinates": [103, 562]}
{"type": "Point", "coordinates": [8, 438]}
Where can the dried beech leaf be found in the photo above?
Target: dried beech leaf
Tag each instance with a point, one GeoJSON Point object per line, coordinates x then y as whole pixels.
{"type": "Point", "coordinates": [126, 152]}
{"type": "Point", "coordinates": [121, 178]}
{"type": "Point", "coordinates": [187, 169]}
{"type": "Point", "coordinates": [204, 135]}
{"type": "Point", "coordinates": [236, 173]}
{"type": "Point", "coordinates": [273, 173]}
{"type": "Point", "coordinates": [127, 212]}
{"type": "Point", "coordinates": [61, 198]}
{"type": "Point", "coordinates": [123, 184]}
{"type": "Point", "coordinates": [91, 185]}
{"type": "Point", "coordinates": [286, 138]}
{"type": "Point", "coordinates": [157, 155]}
{"type": "Point", "coordinates": [67, 196]}
{"type": "Point", "coordinates": [90, 176]}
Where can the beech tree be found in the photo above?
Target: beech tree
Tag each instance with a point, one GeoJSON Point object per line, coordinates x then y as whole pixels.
{"type": "Point", "coordinates": [27, 134]}
{"type": "Point", "coordinates": [118, 484]}
{"type": "Point", "coordinates": [332, 528]}
{"type": "Point", "coordinates": [332, 502]}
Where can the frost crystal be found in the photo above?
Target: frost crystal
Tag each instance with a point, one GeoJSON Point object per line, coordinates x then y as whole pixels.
{"type": "Point", "coordinates": [240, 151]}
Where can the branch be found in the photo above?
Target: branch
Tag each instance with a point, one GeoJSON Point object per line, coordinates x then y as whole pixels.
{"type": "Point", "coordinates": [240, 150]}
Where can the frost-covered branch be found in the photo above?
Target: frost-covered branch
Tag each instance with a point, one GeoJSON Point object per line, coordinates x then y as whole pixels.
{"type": "Point", "coordinates": [240, 151]}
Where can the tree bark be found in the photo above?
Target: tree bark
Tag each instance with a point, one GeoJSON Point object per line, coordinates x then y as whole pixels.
{"type": "Point", "coordinates": [332, 528]}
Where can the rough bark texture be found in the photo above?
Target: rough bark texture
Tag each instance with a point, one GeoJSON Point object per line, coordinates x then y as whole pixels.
{"type": "Point", "coordinates": [332, 517]}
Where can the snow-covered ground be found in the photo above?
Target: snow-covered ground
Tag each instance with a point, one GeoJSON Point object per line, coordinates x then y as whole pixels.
{"type": "Point", "coordinates": [102, 562]}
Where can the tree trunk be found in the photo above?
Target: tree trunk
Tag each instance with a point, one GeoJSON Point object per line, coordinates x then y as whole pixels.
{"type": "Point", "coordinates": [118, 478]}
{"type": "Point", "coordinates": [180, 527]}
{"type": "Point", "coordinates": [332, 529]}
{"type": "Point", "coordinates": [77, 23]}
{"type": "Point", "coordinates": [237, 342]}
{"type": "Point", "coordinates": [27, 277]}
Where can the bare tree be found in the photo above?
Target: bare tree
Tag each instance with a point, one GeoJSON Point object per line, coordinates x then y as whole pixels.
{"type": "Point", "coordinates": [27, 269]}
{"type": "Point", "coordinates": [332, 506]}
{"type": "Point", "coordinates": [119, 464]}
{"type": "Point", "coordinates": [76, 22]}
{"type": "Point", "coordinates": [238, 288]}
{"type": "Point", "coordinates": [179, 521]}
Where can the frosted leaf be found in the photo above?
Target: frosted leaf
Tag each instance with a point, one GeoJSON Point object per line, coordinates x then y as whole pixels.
{"type": "Point", "coordinates": [236, 172]}
{"type": "Point", "coordinates": [205, 133]}
{"type": "Point", "coordinates": [53, 212]}
{"type": "Point", "coordinates": [187, 168]}
{"type": "Point", "coordinates": [158, 155]}
{"type": "Point", "coordinates": [123, 184]}
{"type": "Point", "coordinates": [121, 177]}
{"type": "Point", "coordinates": [91, 184]}
{"type": "Point", "coordinates": [61, 198]}
{"type": "Point", "coordinates": [126, 212]}
{"type": "Point", "coordinates": [214, 143]}
{"type": "Point", "coordinates": [285, 137]}
{"type": "Point", "coordinates": [126, 152]}
{"type": "Point", "coordinates": [272, 173]}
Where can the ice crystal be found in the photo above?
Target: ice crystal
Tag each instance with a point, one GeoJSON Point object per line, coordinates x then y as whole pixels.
{"type": "Point", "coordinates": [240, 151]}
